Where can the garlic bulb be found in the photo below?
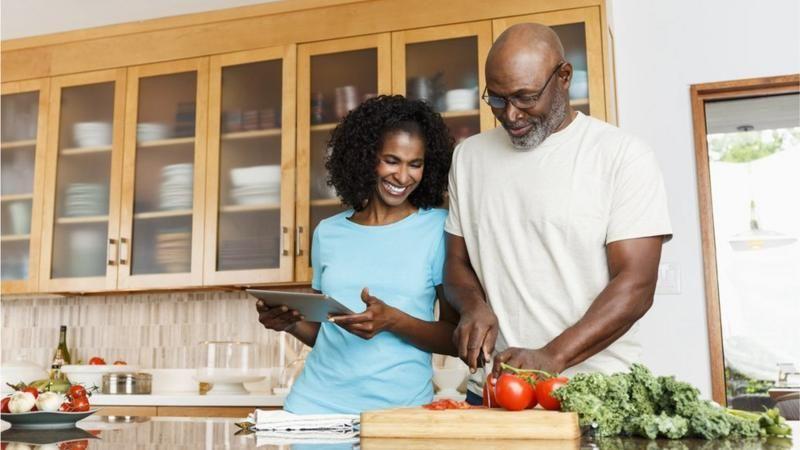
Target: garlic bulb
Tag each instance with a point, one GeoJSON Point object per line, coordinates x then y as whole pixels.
{"type": "Point", "coordinates": [49, 401]}
{"type": "Point", "coordinates": [21, 402]}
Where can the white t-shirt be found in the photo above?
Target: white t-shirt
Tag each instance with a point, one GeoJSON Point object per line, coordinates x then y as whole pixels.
{"type": "Point", "coordinates": [536, 224]}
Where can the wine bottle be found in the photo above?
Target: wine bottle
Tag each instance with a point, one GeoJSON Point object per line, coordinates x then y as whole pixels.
{"type": "Point", "coordinates": [61, 355]}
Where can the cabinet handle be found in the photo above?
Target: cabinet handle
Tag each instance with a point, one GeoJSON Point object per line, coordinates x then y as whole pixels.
{"type": "Point", "coordinates": [284, 248]}
{"type": "Point", "coordinates": [112, 251]}
{"type": "Point", "coordinates": [123, 251]}
{"type": "Point", "coordinates": [298, 247]}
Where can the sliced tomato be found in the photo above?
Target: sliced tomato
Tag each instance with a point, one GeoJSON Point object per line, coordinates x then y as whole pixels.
{"type": "Point", "coordinates": [489, 397]}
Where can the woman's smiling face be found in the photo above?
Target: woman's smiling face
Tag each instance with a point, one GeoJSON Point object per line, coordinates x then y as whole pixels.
{"type": "Point", "coordinates": [400, 167]}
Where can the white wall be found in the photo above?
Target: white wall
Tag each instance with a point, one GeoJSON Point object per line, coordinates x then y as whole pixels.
{"type": "Point", "coordinates": [663, 47]}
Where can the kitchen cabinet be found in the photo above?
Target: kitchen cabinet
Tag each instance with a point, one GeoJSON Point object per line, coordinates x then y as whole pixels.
{"type": "Point", "coordinates": [22, 148]}
{"type": "Point", "coordinates": [250, 183]}
{"type": "Point", "coordinates": [199, 161]}
{"type": "Point", "coordinates": [333, 77]}
{"type": "Point", "coordinates": [80, 220]}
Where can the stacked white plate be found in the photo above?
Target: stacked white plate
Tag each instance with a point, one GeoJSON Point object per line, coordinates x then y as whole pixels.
{"type": "Point", "coordinates": [151, 131]}
{"type": "Point", "coordinates": [176, 186]}
{"type": "Point", "coordinates": [461, 99]}
{"type": "Point", "coordinates": [92, 134]}
{"type": "Point", "coordinates": [256, 185]}
{"type": "Point", "coordinates": [173, 250]}
{"type": "Point", "coordinates": [86, 199]}
{"type": "Point", "coordinates": [256, 252]}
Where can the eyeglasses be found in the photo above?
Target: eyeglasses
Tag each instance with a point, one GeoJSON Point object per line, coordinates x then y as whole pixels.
{"type": "Point", "coordinates": [524, 101]}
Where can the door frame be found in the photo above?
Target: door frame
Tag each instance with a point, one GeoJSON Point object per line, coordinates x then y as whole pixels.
{"type": "Point", "coordinates": [700, 94]}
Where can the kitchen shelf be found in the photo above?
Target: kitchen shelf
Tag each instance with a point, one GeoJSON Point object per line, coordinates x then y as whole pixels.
{"type": "Point", "coordinates": [579, 102]}
{"type": "Point", "coordinates": [250, 208]}
{"type": "Point", "coordinates": [85, 150]}
{"type": "Point", "coordinates": [163, 214]}
{"type": "Point", "coordinates": [18, 144]}
{"type": "Point", "coordinates": [272, 132]}
{"type": "Point", "coordinates": [166, 142]}
{"type": "Point", "coordinates": [327, 202]}
{"type": "Point", "coordinates": [464, 113]}
{"type": "Point", "coordinates": [324, 126]}
{"type": "Point", "coordinates": [15, 197]}
{"type": "Point", "coordinates": [15, 237]}
{"type": "Point", "coordinates": [81, 219]}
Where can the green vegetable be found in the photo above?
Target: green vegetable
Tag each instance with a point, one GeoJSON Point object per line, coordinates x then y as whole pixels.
{"type": "Point", "coordinates": [638, 403]}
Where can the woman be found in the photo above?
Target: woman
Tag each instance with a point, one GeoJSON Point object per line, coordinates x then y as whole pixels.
{"type": "Point", "coordinates": [389, 161]}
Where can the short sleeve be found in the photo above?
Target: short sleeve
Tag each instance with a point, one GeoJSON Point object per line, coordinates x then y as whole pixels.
{"type": "Point", "coordinates": [453, 223]}
{"type": "Point", "coordinates": [316, 264]}
{"type": "Point", "coordinates": [639, 203]}
{"type": "Point", "coordinates": [437, 262]}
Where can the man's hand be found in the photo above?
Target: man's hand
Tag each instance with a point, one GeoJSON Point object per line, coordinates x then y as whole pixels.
{"type": "Point", "coordinates": [378, 317]}
{"type": "Point", "coordinates": [476, 333]}
{"type": "Point", "coordinates": [527, 358]}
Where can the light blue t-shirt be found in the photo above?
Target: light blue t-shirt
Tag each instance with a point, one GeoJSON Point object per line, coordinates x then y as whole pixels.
{"type": "Point", "coordinates": [401, 264]}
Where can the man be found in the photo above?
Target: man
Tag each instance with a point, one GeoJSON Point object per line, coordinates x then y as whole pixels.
{"type": "Point", "coordinates": [556, 223]}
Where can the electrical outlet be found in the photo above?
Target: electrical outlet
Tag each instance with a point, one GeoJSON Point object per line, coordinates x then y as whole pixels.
{"type": "Point", "coordinates": [669, 279]}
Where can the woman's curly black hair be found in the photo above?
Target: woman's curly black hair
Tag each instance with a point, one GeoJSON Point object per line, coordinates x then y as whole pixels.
{"type": "Point", "coordinates": [355, 143]}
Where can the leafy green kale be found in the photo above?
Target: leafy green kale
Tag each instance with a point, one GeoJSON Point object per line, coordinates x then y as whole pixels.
{"type": "Point", "coordinates": [638, 403]}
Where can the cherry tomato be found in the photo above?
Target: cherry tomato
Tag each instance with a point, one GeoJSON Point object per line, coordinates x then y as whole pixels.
{"type": "Point", "coordinates": [97, 361]}
{"type": "Point", "coordinates": [76, 390]}
{"type": "Point", "coordinates": [65, 407]}
{"type": "Point", "coordinates": [80, 404]}
{"type": "Point", "coordinates": [545, 388]}
{"type": "Point", "coordinates": [513, 393]}
{"type": "Point", "coordinates": [120, 363]}
{"type": "Point", "coordinates": [32, 390]}
{"type": "Point", "coordinates": [489, 398]}
{"type": "Point", "coordinates": [5, 405]}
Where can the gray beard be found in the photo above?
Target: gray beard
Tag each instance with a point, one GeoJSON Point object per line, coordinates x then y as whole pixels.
{"type": "Point", "coordinates": [542, 129]}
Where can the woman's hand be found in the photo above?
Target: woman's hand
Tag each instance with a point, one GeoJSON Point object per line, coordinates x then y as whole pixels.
{"type": "Point", "coordinates": [278, 318]}
{"type": "Point", "coordinates": [378, 317]}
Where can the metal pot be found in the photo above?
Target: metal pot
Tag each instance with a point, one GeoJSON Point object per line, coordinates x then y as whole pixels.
{"type": "Point", "coordinates": [127, 383]}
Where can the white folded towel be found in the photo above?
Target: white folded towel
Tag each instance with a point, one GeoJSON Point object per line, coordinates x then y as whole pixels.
{"type": "Point", "coordinates": [283, 421]}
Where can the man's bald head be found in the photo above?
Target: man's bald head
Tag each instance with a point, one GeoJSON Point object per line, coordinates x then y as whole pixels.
{"type": "Point", "coordinates": [526, 40]}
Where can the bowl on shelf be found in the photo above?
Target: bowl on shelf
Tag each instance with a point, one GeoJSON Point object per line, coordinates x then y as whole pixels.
{"type": "Point", "coordinates": [226, 365]}
{"type": "Point", "coordinates": [461, 99]}
{"type": "Point", "coordinates": [92, 134]}
{"type": "Point", "coordinates": [90, 375]}
{"type": "Point", "coordinates": [152, 131]}
{"type": "Point", "coordinates": [256, 175]}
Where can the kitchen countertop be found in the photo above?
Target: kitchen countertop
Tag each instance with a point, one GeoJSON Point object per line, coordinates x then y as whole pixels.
{"type": "Point", "coordinates": [196, 433]}
{"type": "Point", "coordinates": [187, 399]}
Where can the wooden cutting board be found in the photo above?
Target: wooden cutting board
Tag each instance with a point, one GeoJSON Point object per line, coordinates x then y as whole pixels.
{"type": "Point", "coordinates": [479, 423]}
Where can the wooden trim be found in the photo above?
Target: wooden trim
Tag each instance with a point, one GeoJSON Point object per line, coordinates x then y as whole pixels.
{"type": "Point", "coordinates": [127, 280]}
{"type": "Point", "coordinates": [383, 44]}
{"type": "Point", "coordinates": [700, 93]}
{"type": "Point", "coordinates": [88, 53]}
{"type": "Point", "coordinates": [87, 284]}
{"type": "Point", "coordinates": [31, 284]}
{"type": "Point", "coordinates": [284, 272]}
{"type": "Point", "coordinates": [209, 411]}
{"type": "Point", "coordinates": [142, 411]}
{"type": "Point", "coordinates": [590, 17]}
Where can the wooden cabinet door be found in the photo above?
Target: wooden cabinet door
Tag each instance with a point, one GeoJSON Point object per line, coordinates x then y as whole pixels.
{"type": "Point", "coordinates": [581, 34]}
{"type": "Point", "coordinates": [22, 151]}
{"type": "Point", "coordinates": [250, 190]}
{"type": "Point", "coordinates": [332, 78]}
{"type": "Point", "coordinates": [164, 176]}
{"type": "Point", "coordinates": [80, 220]}
{"type": "Point", "coordinates": [445, 67]}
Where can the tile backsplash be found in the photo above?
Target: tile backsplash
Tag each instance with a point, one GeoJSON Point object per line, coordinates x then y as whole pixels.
{"type": "Point", "coordinates": [151, 330]}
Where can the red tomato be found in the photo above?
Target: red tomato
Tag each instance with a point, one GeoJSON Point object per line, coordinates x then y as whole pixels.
{"type": "Point", "coordinates": [97, 361]}
{"type": "Point", "coordinates": [489, 398]}
{"type": "Point", "coordinates": [32, 390]}
{"type": "Point", "coordinates": [513, 393]}
{"type": "Point", "coordinates": [120, 363]}
{"type": "Point", "coordinates": [80, 404]}
{"type": "Point", "coordinates": [5, 405]}
{"type": "Point", "coordinates": [76, 390]}
{"type": "Point", "coordinates": [65, 407]}
{"type": "Point", "coordinates": [545, 388]}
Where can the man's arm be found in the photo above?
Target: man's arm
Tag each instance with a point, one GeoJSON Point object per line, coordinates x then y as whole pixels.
{"type": "Point", "coordinates": [477, 328]}
{"type": "Point", "coordinates": [633, 269]}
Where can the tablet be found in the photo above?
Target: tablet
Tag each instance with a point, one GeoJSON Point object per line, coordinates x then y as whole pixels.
{"type": "Point", "coordinates": [314, 307]}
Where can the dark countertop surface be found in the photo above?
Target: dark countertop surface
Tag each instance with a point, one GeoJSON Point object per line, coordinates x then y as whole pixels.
{"type": "Point", "coordinates": [222, 433]}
